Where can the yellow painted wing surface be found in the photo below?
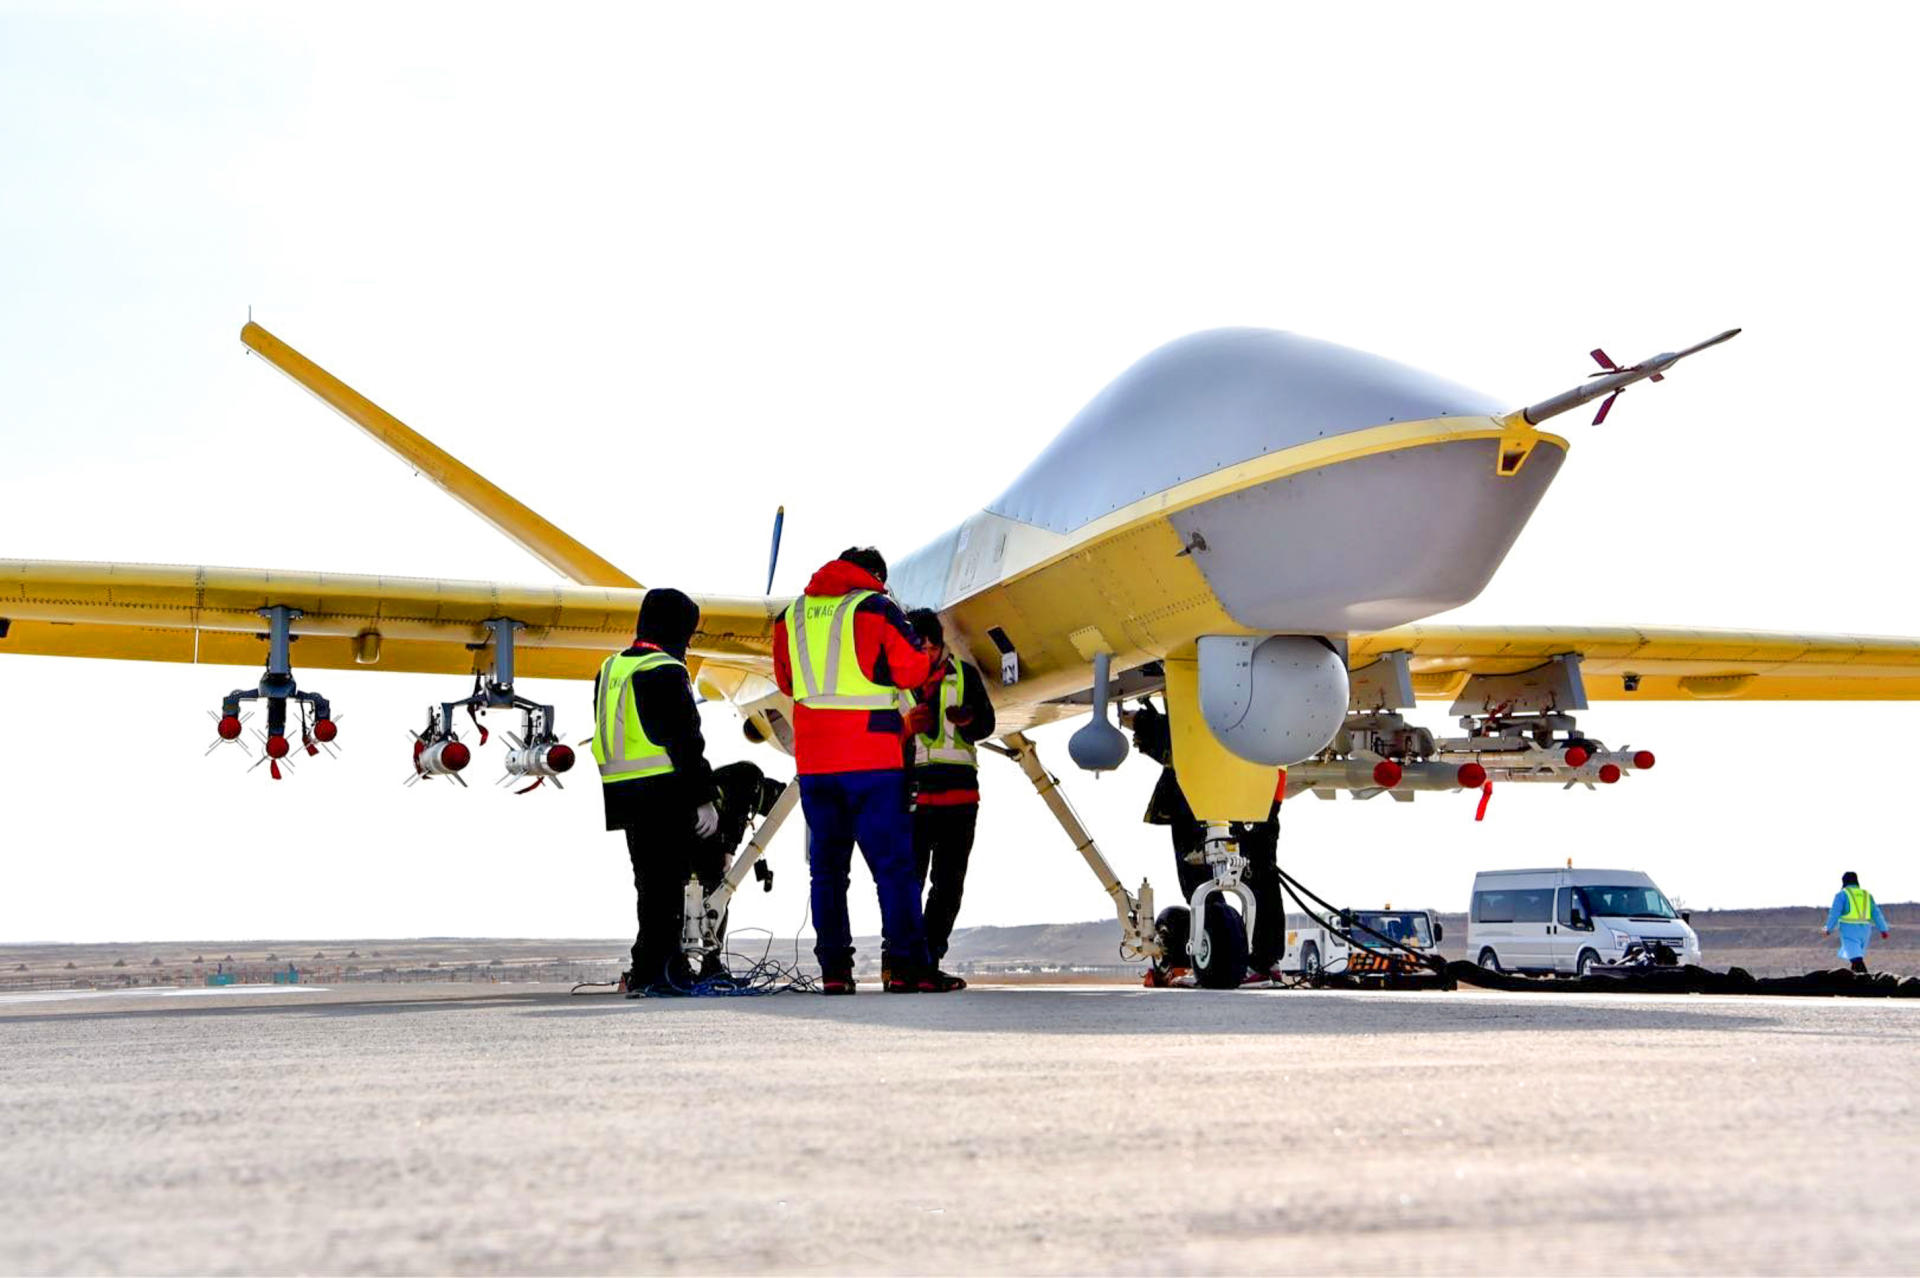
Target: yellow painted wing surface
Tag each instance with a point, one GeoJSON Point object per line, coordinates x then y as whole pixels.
{"type": "Point", "coordinates": [1662, 664]}
{"type": "Point", "coordinates": [152, 612]}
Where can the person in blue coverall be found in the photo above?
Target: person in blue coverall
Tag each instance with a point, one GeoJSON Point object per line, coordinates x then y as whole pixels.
{"type": "Point", "coordinates": [1858, 917]}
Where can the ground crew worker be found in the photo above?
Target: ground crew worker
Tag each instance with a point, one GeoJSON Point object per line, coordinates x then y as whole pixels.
{"type": "Point", "coordinates": [1858, 916]}
{"type": "Point", "coordinates": [1259, 844]}
{"type": "Point", "coordinates": [843, 651]}
{"type": "Point", "coordinates": [945, 720]}
{"type": "Point", "coordinates": [656, 781]}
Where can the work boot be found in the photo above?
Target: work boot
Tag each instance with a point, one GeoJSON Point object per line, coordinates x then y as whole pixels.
{"type": "Point", "coordinates": [942, 982]}
{"type": "Point", "coordinates": [1859, 966]}
{"type": "Point", "coordinates": [1255, 979]}
{"type": "Point", "coordinates": [900, 980]}
{"type": "Point", "coordinates": [837, 983]}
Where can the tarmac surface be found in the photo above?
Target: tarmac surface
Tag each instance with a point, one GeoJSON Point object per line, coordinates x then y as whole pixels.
{"type": "Point", "coordinates": [396, 1129]}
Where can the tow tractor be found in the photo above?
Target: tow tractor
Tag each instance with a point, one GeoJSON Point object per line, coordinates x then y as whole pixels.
{"type": "Point", "coordinates": [1315, 944]}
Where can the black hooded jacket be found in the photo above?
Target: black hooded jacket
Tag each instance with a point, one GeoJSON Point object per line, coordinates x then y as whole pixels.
{"type": "Point", "coordinates": [663, 698]}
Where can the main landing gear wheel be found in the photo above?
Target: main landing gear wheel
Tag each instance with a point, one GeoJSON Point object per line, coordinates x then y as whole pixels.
{"type": "Point", "coordinates": [1310, 959]}
{"type": "Point", "coordinates": [1489, 960]}
{"type": "Point", "coordinates": [1171, 928]}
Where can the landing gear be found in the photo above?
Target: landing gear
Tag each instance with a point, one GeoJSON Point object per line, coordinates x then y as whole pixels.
{"type": "Point", "coordinates": [1224, 969]}
{"type": "Point", "coordinates": [1226, 964]}
{"type": "Point", "coordinates": [1138, 934]}
{"type": "Point", "coordinates": [702, 913]}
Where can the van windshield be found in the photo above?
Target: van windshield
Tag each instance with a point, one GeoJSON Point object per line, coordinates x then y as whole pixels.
{"type": "Point", "coordinates": [1409, 927]}
{"type": "Point", "coordinates": [1627, 902]}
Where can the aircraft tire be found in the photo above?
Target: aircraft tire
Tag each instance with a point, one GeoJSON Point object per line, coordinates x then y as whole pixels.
{"type": "Point", "coordinates": [1172, 927]}
{"type": "Point", "coordinates": [1226, 964]}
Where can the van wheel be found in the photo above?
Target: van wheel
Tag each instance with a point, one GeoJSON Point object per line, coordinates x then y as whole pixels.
{"type": "Point", "coordinates": [1310, 959]}
{"type": "Point", "coordinates": [1489, 960]}
{"type": "Point", "coordinates": [1586, 960]}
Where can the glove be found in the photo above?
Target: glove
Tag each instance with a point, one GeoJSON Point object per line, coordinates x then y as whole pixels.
{"type": "Point", "coordinates": [919, 720]}
{"type": "Point", "coordinates": [706, 821]}
{"type": "Point", "coordinates": [959, 716]}
{"type": "Point", "coordinates": [1885, 936]}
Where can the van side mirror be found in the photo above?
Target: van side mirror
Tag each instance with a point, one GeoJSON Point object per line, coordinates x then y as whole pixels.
{"type": "Point", "coordinates": [1686, 916]}
{"type": "Point", "coordinates": [1439, 933]}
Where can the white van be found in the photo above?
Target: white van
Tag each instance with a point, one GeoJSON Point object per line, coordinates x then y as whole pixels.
{"type": "Point", "coordinates": [1567, 920]}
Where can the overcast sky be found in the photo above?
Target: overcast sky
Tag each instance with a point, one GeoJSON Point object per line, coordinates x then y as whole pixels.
{"type": "Point", "coordinates": [657, 271]}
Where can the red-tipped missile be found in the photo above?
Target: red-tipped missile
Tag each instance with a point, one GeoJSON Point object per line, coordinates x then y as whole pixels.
{"type": "Point", "coordinates": [1471, 776]}
{"type": "Point", "coordinates": [1576, 756]}
{"type": "Point", "coordinates": [1643, 759]}
{"type": "Point", "coordinates": [277, 747]}
{"type": "Point", "coordinates": [1386, 774]}
{"type": "Point", "coordinates": [549, 760]}
{"type": "Point", "coordinates": [442, 758]}
{"type": "Point", "coordinates": [1609, 773]}
{"type": "Point", "coordinates": [325, 729]}
{"type": "Point", "coordinates": [229, 728]}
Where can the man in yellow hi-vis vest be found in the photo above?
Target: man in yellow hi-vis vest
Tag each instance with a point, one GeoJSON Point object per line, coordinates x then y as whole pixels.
{"type": "Point", "coordinates": [656, 782]}
{"type": "Point", "coordinates": [945, 721]}
{"type": "Point", "coordinates": [842, 652]}
{"type": "Point", "coordinates": [1858, 917]}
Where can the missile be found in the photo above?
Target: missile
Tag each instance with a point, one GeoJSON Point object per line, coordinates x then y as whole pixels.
{"type": "Point", "coordinates": [549, 760]}
{"type": "Point", "coordinates": [1467, 769]}
{"type": "Point", "coordinates": [1368, 773]}
{"type": "Point", "coordinates": [440, 759]}
{"type": "Point", "coordinates": [1613, 379]}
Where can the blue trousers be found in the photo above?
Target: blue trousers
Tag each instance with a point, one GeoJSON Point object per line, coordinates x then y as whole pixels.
{"type": "Point", "coordinates": [868, 808]}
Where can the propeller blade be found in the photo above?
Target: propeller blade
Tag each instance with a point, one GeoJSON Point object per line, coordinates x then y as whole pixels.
{"type": "Point", "coordinates": [773, 555]}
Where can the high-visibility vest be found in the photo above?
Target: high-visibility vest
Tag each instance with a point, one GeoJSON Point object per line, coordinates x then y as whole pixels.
{"type": "Point", "coordinates": [825, 660]}
{"type": "Point", "coordinates": [1859, 906]}
{"type": "Point", "coordinates": [944, 744]}
{"type": "Point", "coordinates": [620, 744]}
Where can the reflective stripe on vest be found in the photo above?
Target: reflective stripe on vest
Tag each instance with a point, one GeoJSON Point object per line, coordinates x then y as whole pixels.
{"type": "Point", "coordinates": [620, 744]}
{"type": "Point", "coordinates": [825, 659]}
{"type": "Point", "coordinates": [1859, 906]}
{"type": "Point", "coordinates": [945, 744]}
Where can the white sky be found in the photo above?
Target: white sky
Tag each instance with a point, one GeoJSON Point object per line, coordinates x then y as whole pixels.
{"type": "Point", "coordinates": [657, 271]}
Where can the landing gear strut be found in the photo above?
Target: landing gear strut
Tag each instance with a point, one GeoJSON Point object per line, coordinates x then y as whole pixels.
{"type": "Point", "coordinates": [1138, 938]}
{"type": "Point", "coordinates": [702, 912]}
{"type": "Point", "coordinates": [1222, 853]}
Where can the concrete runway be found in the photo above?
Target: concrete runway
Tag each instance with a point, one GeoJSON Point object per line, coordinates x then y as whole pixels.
{"type": "Point", "coordinates": [407, 1129]}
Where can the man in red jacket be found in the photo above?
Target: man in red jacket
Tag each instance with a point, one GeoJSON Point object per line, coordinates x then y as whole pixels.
{"type": "Point", "coordinates": [842, 651]}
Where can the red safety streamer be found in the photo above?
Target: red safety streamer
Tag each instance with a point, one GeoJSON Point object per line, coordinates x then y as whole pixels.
{"type": "Point", "coordinates": [1486, 793]}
